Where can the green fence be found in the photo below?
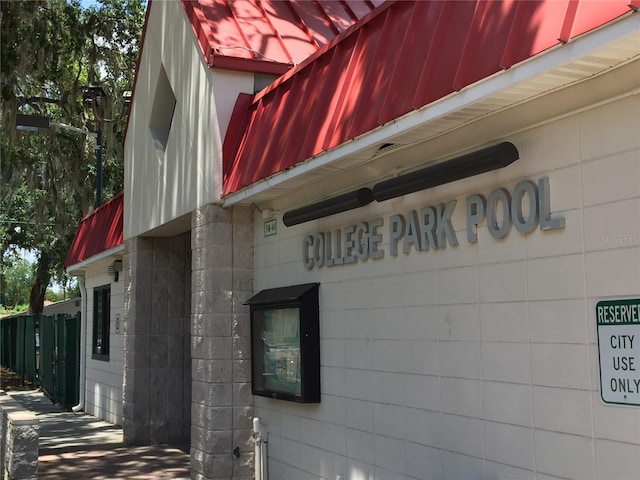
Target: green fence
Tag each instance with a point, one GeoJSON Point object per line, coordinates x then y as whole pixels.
{"type": "Point", "coordinates": [8, 336]}
{"type": "Point", "coordinates": [60, 357]}
{"type": "Point", "coordinates": [18, 346]}
{"type": "Point", "coordinates": [26, 348]}
{"type": "Point", "coordinates": [46, 350]}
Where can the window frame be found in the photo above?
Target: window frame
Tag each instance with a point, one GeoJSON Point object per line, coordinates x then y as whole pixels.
{"type": "Point", "coordinates": [101, 326]}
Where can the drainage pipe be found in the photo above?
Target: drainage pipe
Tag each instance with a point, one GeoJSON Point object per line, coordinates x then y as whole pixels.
{"type": "Point", "coordinates": [260, 451]}
{"type": "Point", "coordinates": [83, 344]}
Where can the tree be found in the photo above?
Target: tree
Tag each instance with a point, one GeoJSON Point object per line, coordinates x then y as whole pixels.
{"type": "Point", "coordinates": [17, 279]}
{"type": "Point", "coordinates": [51, 50]}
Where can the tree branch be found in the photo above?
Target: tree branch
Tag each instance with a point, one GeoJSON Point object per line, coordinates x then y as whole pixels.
{"type": "Point", "coordinates": [37, 100]}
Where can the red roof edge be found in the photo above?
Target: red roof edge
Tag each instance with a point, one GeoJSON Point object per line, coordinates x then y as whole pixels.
{"type": "Point", "coordinates": [221, 61]}
{"type": "Point", "coordinates": [248, 65]}
{"type": "Point", "coordinates": [99, 231]}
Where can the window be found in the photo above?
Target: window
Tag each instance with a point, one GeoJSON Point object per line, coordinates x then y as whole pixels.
{"type": "Point", "coordinates": [285, 343]}
{"type": "Point", "coordinates": [101, 322]}
{"type": "Point", "coordinates": [164, 104]}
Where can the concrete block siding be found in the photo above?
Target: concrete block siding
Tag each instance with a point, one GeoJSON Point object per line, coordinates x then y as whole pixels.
{"type": "Point", "coordinates": [157, 356]}
{"type": "Point", "coordinates": [481, 360]}
{"type": "Point", "coordinates": [222, 405]}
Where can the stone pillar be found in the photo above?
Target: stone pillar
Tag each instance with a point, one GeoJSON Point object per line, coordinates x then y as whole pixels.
{"type": "Point", "coordinates": [222, 280]}
{"type": "Point", "coordinates": [157, 351]}
{"type": "Point", "coordinates": [19, 437]}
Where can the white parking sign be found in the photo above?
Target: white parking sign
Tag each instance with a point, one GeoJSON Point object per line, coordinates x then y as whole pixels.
{"type": "Point", "coordinates": [618, 323]}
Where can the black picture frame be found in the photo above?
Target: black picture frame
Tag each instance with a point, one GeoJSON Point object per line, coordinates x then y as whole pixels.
{"type": "Point", "coordinates": [285, 343]}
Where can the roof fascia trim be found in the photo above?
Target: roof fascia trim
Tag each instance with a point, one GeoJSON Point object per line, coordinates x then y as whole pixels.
{"type": "Point", "coordinates": [540, 64]}
{"type": "Point", "coordinates": [249, 65]}
{"type": "Point", "coordinates": [78, 268]}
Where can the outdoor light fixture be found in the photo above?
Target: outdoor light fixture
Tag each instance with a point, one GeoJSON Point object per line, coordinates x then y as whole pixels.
{"type": "Point", "coordinates": [114, 269]}
{"type": "Point", "coordinates": [486, 160]}
{"type": "Point", "coordinates": [93, 94]}
{"type": "Point", "coordinates": [331, 206]}
{"type": "Point", "coordinates": [127, 98]}
{"type": "Point", "coordinates": [31, 123]}
{"type": "Point", "coordinates": [36, 123]}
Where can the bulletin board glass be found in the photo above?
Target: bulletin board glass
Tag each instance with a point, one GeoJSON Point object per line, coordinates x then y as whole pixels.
{"type": "Point", "coordinates": [285, 343]}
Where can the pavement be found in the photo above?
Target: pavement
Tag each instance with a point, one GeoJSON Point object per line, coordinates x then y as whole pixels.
{"type": "Point", "coordinates": [80, 446]}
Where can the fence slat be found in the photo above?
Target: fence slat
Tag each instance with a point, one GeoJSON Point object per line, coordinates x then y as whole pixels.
{"type": "Point", "coordinates": [47, 348]}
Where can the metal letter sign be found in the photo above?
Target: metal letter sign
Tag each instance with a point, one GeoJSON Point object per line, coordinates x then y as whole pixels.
{"type": "Point", "coordinates": [618, 324]}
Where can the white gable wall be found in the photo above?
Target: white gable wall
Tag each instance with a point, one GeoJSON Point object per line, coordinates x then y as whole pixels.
{"type": "Point", "coordinates": [162, 186]}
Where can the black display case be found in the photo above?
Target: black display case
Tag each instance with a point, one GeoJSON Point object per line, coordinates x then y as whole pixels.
{"type": "Point", "coordinates": [285, 343]}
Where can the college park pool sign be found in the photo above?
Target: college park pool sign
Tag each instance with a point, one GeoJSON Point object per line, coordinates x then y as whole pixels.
{"type": "Point", "coordinates": [526, 208]}
{"type": "Point", "coordinates": [618, 324]}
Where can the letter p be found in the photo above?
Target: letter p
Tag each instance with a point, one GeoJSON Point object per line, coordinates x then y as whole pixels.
{"type": "Point", "coordinates": [476, 207]}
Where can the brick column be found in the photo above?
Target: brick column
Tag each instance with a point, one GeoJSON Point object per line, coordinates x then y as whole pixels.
{"type": "Point", "coordinates": [222, 280]}
{"type": "Point", "coordinates": [157, 354]}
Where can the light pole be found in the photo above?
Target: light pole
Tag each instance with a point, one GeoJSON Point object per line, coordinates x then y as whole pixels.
{"type": "Point", "coordinates": [92, 96]}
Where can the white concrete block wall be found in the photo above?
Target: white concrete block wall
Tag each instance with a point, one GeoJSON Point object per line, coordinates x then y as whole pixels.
{"type": "Point", "coordinates": [476, 361]}
{"type": "Point", "coordinates": [103, 391]}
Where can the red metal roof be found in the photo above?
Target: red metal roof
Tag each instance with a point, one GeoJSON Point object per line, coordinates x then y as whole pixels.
{"type": "Point", "coordinates": [263, 36]}
{"type": "Point", "coordinates": [268, 36]}
{"type": "Point", "coordinates": [403, 56]}
{"type": "Point", "coordinates": [98, 232]}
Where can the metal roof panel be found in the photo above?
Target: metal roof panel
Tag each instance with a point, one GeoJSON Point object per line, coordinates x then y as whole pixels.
{"type": "Point", "coordinates": [585, 15]}
{"type": "Point", "coordinates": [278, 32]}
{"type": "Point", "coordinates": [99, 231]}
{"type": "Point", "coordinates": [409, 62]}
{"type": "Point", "coordinates": [541, 22]}
{"type": "Point", "coordinates": [486, 41]}
{"type": "Point", "coordinates": [403, 56]}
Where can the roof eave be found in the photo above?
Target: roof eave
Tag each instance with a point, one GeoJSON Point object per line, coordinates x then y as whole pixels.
{"type": "Point", "coordinates": [78, 268]}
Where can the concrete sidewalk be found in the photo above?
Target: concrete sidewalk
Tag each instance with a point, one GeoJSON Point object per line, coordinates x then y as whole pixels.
{"type": "Point", "coordinates": [77, 445]}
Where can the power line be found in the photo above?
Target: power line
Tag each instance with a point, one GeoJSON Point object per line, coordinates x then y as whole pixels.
{"type": "Point", "coordinates": [16, 222]}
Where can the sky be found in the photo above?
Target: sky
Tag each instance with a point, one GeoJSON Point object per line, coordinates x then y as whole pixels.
{"type": "Point", "coordinates": [30, 255]}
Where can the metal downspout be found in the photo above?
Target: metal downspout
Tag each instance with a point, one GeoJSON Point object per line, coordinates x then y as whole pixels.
{"type": "Point", "coordinates": [83, 343]}
{"type": "Point", "coordinates": [260, 451]}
